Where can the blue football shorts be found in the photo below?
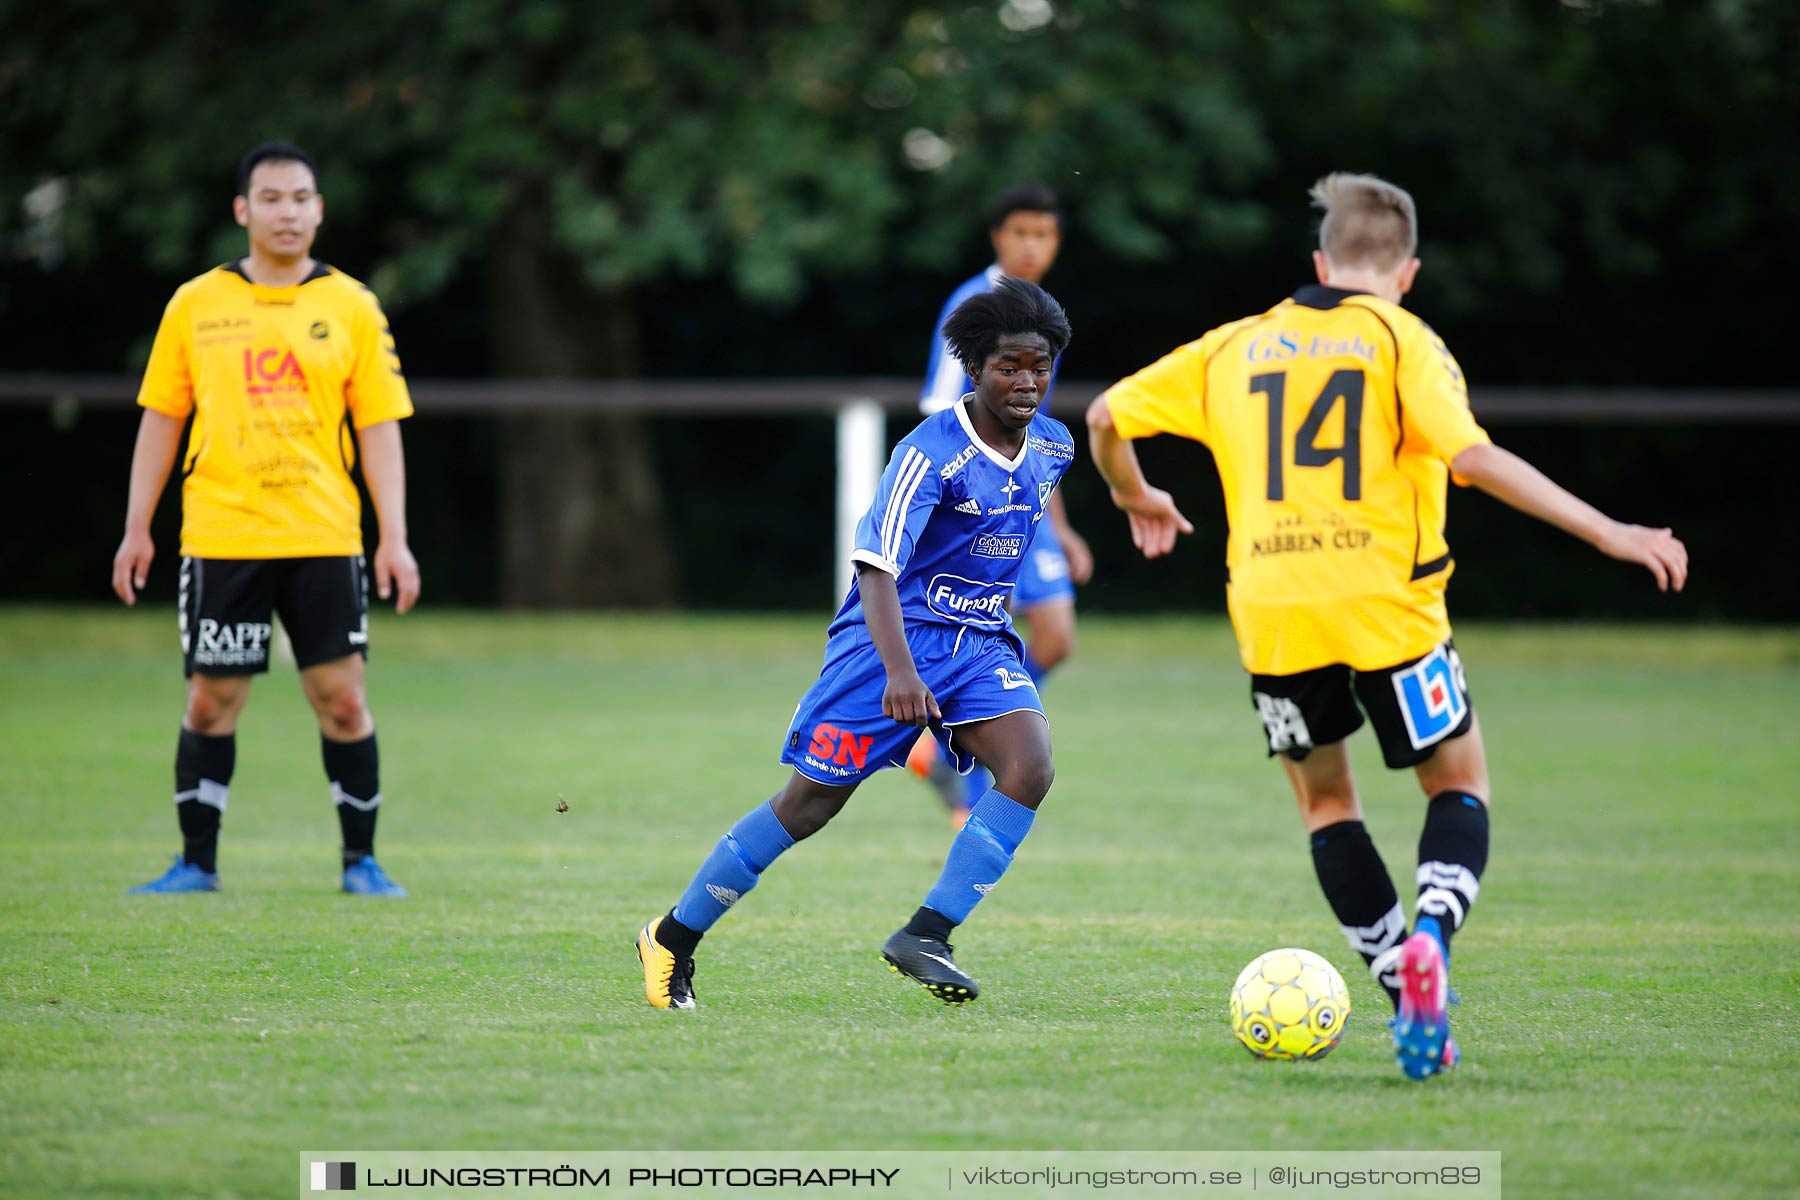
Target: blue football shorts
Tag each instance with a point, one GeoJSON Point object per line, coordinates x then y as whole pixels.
{"type": "Point", "coordinates": [839, 734]}
{"type": "Point", "coordinates": [1044, 575]}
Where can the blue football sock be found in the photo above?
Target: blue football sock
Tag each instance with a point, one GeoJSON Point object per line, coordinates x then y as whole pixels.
{"type": "Point", "coordinates": [732, 868]}
{"type": "Point", "coordinates": [979, 856]}
{"type": "Point", "coordinates": [1038, 671]}
{"type": "Point", "coordinates": [1430, 925]}
{"type": "Point", "coordinates": [976, 784]}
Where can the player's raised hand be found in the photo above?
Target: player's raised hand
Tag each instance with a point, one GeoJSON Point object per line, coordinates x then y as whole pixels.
{"type": "Point", "coordinates": [1659, 550]}
{"type": "Point", "coordinates": [131, 565]}
{"type": "Point", "coordinates": [1155, 521]}
{"type": "Point", "coordinates": [397, 571]}
{"type": "Point", "coordinates": [907, 700]}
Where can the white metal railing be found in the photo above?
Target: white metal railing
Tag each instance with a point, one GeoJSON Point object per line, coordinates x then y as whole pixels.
{"type": "Point", "coordinates": [860, 406]}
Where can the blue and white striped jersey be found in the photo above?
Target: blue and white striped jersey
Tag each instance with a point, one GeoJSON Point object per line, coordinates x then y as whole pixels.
{"type": "Point", "coordinates": [946, 380]}
{"type": "Point", "coordinates": [952, 519]}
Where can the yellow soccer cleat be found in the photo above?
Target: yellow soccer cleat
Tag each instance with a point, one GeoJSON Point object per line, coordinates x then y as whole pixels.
{"type": "Point", "coordinates": [668, 979]}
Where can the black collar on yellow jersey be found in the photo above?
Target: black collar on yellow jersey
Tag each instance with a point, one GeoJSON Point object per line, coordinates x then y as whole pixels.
{"type": "Point", "coordinates": [1317, 295]}
{"type": "Point", "coordinates": [236, 267]}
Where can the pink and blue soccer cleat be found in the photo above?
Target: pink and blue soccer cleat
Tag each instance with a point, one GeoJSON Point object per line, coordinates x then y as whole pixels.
{"type": "Point", "coordinates": [1422, 1043]}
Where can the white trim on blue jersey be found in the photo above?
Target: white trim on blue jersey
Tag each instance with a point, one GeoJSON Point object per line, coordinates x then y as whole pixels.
{"type": "Point", "coordinates": [946, 379]}
{"type": "Point", "coordinates": [999, 459]}
{"type": "Point", "coordinates": [898, 512]}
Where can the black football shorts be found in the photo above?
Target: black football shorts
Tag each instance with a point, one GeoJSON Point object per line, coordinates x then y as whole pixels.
{"type": "Point", "coordinates": [1415, 706]}
{"type": "Point", "coordinates": [226, 609]}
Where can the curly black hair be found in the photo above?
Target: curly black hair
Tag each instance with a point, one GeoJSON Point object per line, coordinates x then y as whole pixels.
{"type": "Point", "coordinates": [1014, 306]}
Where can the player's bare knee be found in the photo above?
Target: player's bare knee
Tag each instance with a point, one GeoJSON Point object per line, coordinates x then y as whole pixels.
{"type": "Point", "coordinates": [1026, 781]}
{"type": "Point", "coordinates": [1459, 765]}
{"type": "Point", "coordinates": [803, 810]}
{"type": "Point", "coordinates": [213, 705]}
{"type": "Point", "coordinates": [343, 712]}
{"type": "Point", "coordinates": [1320, 807]}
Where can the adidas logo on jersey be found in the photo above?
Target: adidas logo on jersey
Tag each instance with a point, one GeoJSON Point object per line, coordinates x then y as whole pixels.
{"type": "Point", "coordinates": [723, 895]}
{"type": "Point", "coordinates": [972, 507]}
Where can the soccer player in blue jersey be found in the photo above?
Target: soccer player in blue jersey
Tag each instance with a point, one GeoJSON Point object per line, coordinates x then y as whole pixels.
{"type": "Point", "coordinates": [1025, 227]}
{"type": "Point", "coordinates": [923, 639]}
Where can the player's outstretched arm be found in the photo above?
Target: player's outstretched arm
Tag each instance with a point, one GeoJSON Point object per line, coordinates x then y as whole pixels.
{"type": "Point", "coordinates": [159, 435]}
{"type": "Point", "coordinates": [906, 699]}
{"type": "Point", "coordinates": [1155, 521]}
{"type": "Point", "coordinates": [1507, 477]}
{"type": "Point", "coordinates": [384, 467]}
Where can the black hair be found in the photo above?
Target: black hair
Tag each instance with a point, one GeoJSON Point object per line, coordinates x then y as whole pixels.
{"type": "Point", "coordinates": [1024, 197]}
{"type": "Point", "coordinates": [273, 152]}
{"type": "Point", "coordinates": [1014, 306]}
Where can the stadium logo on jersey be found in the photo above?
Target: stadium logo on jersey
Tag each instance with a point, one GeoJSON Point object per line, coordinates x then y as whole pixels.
{"type": "Point", "coordinates": [319, 331]}
{"type": "Point", "coordinates": [959, 462]}
{"type": "Point", "coordinates": [240, 644]}
{"type": "Point", "coordinates": [998, 545]}
{"type": "Point", "coordinates": [832, 746]}
{"type": "Point", "coordinates": [1433, 697]}
{"type": "Point", "coordinates": [977, 602]}
{"type": "Point", "coordinates": [1283, 722]}
{"type": "Point", "coordinates": [1053, 449]}
{"type": "Point", "coordinates": [972, 507]}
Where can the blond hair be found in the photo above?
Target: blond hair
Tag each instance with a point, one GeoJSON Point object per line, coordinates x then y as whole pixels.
{"type": "Point", "coordinates": [1368, 221]}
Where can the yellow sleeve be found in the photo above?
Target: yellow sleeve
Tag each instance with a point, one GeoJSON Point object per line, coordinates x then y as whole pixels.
{"type": "Point", "coordinates": [168, 385]}
{"type": "Point", "coordinates": [1434, 399]}
{"type": "Point", "coordinates": [377, 390]}
{"type": "Point", "coordinates": [1168, 396]}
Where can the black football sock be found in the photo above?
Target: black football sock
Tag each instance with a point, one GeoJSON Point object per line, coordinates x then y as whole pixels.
{"type": "Point", "coordinates": [1359, 891]}
{"type": "Point", "coordinates": [354, 769]}
{"type": "Point", "coordinates": [677, 938]}
{"type": "Point", "coordinates": [1453, 852]}
{"type": "Point", "coordinates": [930, 923]}
{"type": "Point", "coordinates": [203, 766]}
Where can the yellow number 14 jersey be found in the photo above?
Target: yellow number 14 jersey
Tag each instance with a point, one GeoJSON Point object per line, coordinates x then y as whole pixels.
{"type": "Point", "coordinates": [1332, 418]}
{"type": "Point", "coordinates": [275, 377]}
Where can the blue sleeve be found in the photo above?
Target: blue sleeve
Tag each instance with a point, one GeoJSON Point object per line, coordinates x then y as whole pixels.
{"type": "Point", "coordinates": [945, 379]}
{"type": "Point", "coordinates": [904, 501]}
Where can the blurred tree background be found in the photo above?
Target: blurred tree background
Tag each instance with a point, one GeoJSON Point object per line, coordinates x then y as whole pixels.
{"type": "Point", "coordinates": [733, 188]}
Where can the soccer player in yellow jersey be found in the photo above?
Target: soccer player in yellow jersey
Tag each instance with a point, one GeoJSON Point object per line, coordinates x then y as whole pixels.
{"type": "Point", "coordinates": [1337, 418]}
{"type": "Point", "coordinates": [276, 358]}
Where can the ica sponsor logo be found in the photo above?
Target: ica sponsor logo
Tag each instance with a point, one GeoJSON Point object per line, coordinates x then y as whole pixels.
{"type": "Point", "coordinates": [273, 378]}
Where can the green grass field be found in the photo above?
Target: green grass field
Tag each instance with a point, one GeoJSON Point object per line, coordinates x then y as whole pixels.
{"type": "Point", "coordinates": [1631, 1013]}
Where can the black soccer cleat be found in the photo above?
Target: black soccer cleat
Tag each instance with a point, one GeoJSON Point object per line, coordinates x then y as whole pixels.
{"type": "Point", "coordinates": [928, 962]}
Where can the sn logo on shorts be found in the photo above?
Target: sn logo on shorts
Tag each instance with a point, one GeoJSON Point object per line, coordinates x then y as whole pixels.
{"type": "Point", "coordinates": [1433, 695]}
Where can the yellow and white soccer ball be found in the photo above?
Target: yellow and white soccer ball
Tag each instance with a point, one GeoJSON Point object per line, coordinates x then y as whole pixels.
{"type": "Point", "coordinates": [1289, 1003]}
